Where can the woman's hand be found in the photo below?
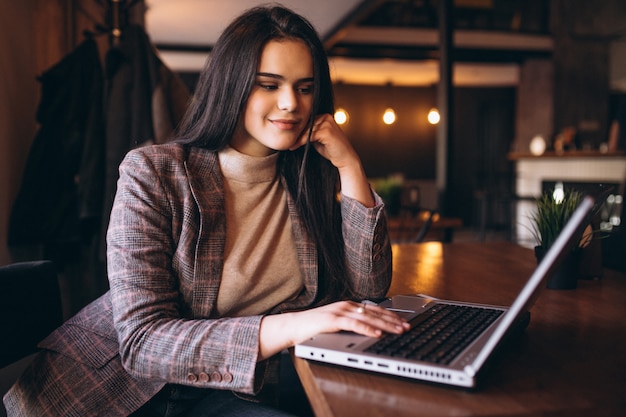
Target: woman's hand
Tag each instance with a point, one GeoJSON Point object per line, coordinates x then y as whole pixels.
{"type": "Point", "coordinates": [282, 331]}
{"type": "Point", "coordinates": [330, 142]}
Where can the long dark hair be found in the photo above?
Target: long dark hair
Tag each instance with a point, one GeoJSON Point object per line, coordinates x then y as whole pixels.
{"type": "Point", "coordinates": [220, 99]}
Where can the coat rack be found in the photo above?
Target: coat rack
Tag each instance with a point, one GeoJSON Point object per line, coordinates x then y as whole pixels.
{"type": "Point", "coordinates": [118, 17]}
{"type": "Point", "coordinates": [114, 19]}
{"type": "Point", "coordinates": [116, 28]}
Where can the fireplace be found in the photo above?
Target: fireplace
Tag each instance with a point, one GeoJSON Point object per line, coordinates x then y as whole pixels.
{"type": "Point", "coordinates": [581, 170]}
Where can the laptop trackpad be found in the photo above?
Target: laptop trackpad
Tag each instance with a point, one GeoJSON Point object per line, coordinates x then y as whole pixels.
{"type": "Point", "coordinates": [407, 315]}
{"type": "Point", "coordinates": [405, 306]}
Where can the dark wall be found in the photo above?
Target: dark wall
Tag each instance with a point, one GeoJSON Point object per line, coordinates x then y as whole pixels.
{"type": "Point", "coordinates": [582, 32]}
{"type": "Point", "coordinates": [407, 146]}
{"type": "Point", "coordinates": [484, 128]}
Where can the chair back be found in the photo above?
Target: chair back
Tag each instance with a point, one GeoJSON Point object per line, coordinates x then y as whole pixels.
{"type": "Point", "coordinates": [30, 307]}
{"type": "Point", "coordinates": [415, 220]}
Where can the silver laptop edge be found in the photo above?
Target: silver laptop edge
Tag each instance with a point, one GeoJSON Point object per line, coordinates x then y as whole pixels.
{"type": "Point", "coordinates": [348, 348]}
{"type": "Point", "coordinates": [526, 298]}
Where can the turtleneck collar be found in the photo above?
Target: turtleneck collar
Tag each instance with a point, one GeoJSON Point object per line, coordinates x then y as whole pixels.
{"type": "Point", "coordinates": [246, 168]}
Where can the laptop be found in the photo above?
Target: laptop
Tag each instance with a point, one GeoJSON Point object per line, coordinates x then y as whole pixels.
{"type": "Point", "coordinates": [457, 357]}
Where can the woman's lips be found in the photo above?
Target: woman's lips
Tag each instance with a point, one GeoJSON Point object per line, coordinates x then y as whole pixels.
{"type": "Point", "coordinates": [285, 124]}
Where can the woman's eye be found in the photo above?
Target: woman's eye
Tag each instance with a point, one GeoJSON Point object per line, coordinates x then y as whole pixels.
{"type": "Point", "coordinates": [306, 89]}
{"type": "Point", "coordinates": [268, 86]}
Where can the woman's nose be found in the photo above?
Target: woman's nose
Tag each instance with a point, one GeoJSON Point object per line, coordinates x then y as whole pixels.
{"type": "Point", "coordinates": [287, 100]}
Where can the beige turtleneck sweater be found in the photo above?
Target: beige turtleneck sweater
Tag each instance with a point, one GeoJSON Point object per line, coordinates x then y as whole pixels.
{"type": "Point", "coordinates": [261, 267]}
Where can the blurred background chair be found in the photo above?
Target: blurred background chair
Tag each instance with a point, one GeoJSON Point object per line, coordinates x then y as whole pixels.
{"type": "Point", "coordinates": [30, 307]}
{"type": "Point", "coordinates": [414, 219]}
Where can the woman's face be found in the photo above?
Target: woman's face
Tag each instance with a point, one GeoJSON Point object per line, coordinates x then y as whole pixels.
{"type": "Point", "coordinates": [279, 105]}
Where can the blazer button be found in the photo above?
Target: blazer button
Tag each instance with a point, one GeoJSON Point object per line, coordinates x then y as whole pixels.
{"type": "Point", "coordinates": [204, 377]}
{"type": "Point", "coordinates": [227, 377]}
{"type": "Point", "coordinates": [216, 377]}
{"type": "Point", "coordinates": [376, 247]}
{"type": "Point", "coordinates": [192, 377]}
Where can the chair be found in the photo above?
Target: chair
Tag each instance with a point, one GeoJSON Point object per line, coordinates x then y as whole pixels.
{"type": "Point", "coordinates": [30, 306]}
{"type": "Point", "coordinates": [415, 220]}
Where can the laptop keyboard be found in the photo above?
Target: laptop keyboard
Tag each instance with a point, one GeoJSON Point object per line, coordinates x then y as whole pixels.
{"type": "Point", "coordinates": [438, 335]}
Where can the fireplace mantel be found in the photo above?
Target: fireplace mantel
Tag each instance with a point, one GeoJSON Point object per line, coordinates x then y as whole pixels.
{"type": "Point", "coordinates": [574, 166]}
{"type": "Point", "coordinates": [514, 156]}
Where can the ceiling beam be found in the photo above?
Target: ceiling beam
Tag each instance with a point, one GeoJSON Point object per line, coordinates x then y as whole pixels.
{"type": "Point", "coordinates": [462, 38]}
{"type": "Point", "coordinates": [408, 53]}
{"type": "Point", "coordinates": [361, 11]}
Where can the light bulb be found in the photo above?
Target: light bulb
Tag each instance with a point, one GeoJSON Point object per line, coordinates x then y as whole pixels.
{"type": "Point", "coordinates": [389, 117]}
{"type": "Point", "coordinates": [537, 145]}
{"type": "Point", "coordinates": [559, 193]}
{"type": "Point", "coordinates": [341, 116]}
{"type": "Point", "coordinates": [433, 116]}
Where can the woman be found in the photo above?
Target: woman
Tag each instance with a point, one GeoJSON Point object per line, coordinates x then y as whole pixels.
{"type": "Point", "coordinates": [226, 246]}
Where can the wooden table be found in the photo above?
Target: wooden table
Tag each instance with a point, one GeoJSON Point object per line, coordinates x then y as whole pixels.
{"type": "Point", "coordinates": [570, 361]}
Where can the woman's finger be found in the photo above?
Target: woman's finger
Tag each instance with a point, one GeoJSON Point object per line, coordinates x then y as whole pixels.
{"type": "Point", "coordinates": [373, 317]}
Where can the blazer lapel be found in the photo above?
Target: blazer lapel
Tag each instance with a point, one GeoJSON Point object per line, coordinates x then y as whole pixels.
{"type": "Point", "coordinates": [205, 181]}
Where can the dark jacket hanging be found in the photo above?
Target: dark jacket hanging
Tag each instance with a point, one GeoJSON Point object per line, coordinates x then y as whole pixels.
{"type": "Point", "coordinates": [88, 121]}
{"type": "Point", "coordinates": [61, 190]}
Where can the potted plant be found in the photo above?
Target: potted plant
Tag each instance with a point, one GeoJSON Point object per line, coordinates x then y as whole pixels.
{"type": "Point", "coordinates": [389, 189]}
{"type": "Point", "coordinates": [553, 210]}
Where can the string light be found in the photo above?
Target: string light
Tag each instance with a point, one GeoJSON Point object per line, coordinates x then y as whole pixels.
{"type": "Point", "coordinates": [389, 117]}
{"type": "Point", "coordinates": [341, 116]}
{"type": "Point", "coordinates": [433, 116]}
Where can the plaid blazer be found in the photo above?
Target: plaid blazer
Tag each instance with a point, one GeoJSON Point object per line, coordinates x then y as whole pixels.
{"type": "Point", "coordinates": [165, 255]}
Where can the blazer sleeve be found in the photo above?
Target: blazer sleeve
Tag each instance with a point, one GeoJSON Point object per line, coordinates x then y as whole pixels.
{"type": "Point", "coordinates": [367, 247]}
{"type": "Point", "coordinates": [160, 339]}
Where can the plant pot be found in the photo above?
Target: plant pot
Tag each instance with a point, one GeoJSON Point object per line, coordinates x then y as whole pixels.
{"type": "Point", "coordinates": [565, 276]}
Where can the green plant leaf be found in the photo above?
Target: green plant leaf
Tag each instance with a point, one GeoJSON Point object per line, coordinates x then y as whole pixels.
{"type": "Point", "coordinates": [551, 216]}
